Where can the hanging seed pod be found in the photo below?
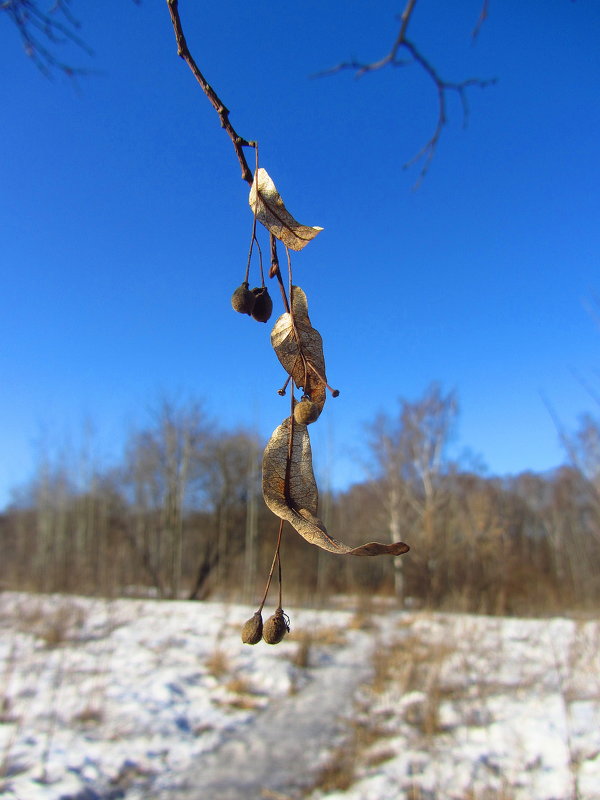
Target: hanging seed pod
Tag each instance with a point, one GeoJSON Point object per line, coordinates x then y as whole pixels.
{"type": "Point", "coordinates": [276, 627]}
{"type": "Point", "coordinates": [252, 630]}
{"type": "Point", "coordinates": [263, 305]}
{"type": "Point", "coordinates": [306, 411]}
{"type": "Point", "coordinates": [242, 300]}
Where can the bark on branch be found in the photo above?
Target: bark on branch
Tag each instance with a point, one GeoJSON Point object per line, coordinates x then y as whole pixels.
{"type": "Point", "coordinates": [183, 51]}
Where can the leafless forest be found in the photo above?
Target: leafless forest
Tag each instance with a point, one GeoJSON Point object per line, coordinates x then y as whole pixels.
{"type": "Point", "coordinates": [181, 515]}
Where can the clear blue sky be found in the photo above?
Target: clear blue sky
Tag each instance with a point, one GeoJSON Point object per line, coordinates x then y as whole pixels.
{"type": "Point", "coordinates": [125, 225]}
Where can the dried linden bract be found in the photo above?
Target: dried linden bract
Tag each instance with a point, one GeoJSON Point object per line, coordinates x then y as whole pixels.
{"type": "Point", "coordinates": [252, 629]}
{"type": "Point", "coordinates": [242, 300]}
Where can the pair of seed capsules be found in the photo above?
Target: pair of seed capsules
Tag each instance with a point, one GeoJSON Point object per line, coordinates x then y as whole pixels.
{"type": "Point", "coordinates": [255, 302]}
{"type": "Point", "coordinates": [272, 632]}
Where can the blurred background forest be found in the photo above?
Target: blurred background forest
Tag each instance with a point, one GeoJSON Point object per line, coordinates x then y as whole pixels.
{"type": "Point", "coordinates": [121, 245]}
{"type": "Point", "coordinates": [181, 515]}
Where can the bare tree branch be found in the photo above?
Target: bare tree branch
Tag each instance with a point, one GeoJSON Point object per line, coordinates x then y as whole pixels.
{"type": "Point", "coordinates": [483, 15]}
{"type": "Point", "coordinates": [182, 50]}
{"type": "Point", "coordinates": [443, 87]}
{"type": "Point", "coordinates": [42, 31]}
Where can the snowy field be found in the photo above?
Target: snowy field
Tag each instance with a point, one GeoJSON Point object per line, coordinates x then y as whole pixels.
{"type": "Point", "coordinates": [132, 699]}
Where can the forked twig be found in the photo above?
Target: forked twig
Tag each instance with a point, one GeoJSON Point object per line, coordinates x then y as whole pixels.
{"type": "Point", "coordinates": [392, 59]}
{"type": "Point", "coordinates": [272, 570]}
{"type": "Point", "coordinates": [42, 31]}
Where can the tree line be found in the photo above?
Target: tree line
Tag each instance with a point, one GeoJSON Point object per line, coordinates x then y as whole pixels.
{"type": "Point", "coordinates": [182, 515]}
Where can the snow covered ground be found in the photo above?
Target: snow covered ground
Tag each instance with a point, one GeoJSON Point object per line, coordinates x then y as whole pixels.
{"type": "Point", "coordinates": [481, 708]}
{"type": "Point", "coordinates": [144, 700]}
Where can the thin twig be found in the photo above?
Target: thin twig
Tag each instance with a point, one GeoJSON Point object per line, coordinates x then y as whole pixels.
{"type": "Point", "coordinates": [279, 603]}
{"type": "Point", "coordinates": [289, 263]}
{"type": "Point", "coordinates": [36, 26]}
{"type": "Point", "coordinates": [252, 240]}
{"type": "Point", "coordinates": [392, 59]}
{"type": "Point", "coordinates": [260, 263]}
{"type": "Point", "coordinates": [281, 391]}
{"type": "Point", "coordinates": [272, 570]}
{"type": "Point", "coordinates": [483, 15]}
{"type": "Point", "coordinates": [334, 392]}
{"type": "Point", "coordinates": [182, 50]}
{"type": "Point", "coordinates": [286, 483]}
{"type": "Point", "coordinates": [286, 489]}
{"type": "Point", "coordinates": [290, 452]}
{"type": "Point", "coordinates": [275, 272]}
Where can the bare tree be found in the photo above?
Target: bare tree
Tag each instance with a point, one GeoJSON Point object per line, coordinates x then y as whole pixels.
{"type": "Point", "coordinates": [583, 449]}
{"type": "Point", "coordinates": [577, 504]}
{"type": "Point", "coordinates": [518, 544]}
{"type": "Point", "coordinates": [409, 452]}
{"type": "Point", "coordinates": [231, 467]}
{"type": "Point", "coordinates": [163, 469]}
{"type": "Point", "coordinates": [63, 521]}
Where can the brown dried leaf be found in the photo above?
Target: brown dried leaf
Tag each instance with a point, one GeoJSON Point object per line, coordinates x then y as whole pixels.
{"type": "Point", "coordinates": [290, 491]}
{"type": "Point", "coordinates": [298, 346]}
{"type": "Point", "coordinates": [269, 209]}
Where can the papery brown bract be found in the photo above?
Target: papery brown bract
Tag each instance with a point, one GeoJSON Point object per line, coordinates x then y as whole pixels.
{"type": "Point", "coordinates": [299, 348]}
{"type": "Point", "coordinates": [269, 209]}
{"type": "Point", "coordinates": [290, 492]}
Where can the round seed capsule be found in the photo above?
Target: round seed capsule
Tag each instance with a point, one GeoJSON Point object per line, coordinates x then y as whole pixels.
{"type": "Point", "coordinates": [263, 305]}
{"type": "Point", "coordinates": [275, 627]}
{"type": "Point", "coordinates": [252, 629]}
{"type": "Point", "coordinates": [242, 300]}
{"type": "Point", "coordinates": [306, 411]}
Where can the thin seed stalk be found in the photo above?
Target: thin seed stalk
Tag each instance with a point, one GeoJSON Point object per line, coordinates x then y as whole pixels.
{"type": "Point", "coordinates": [272, 570]}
